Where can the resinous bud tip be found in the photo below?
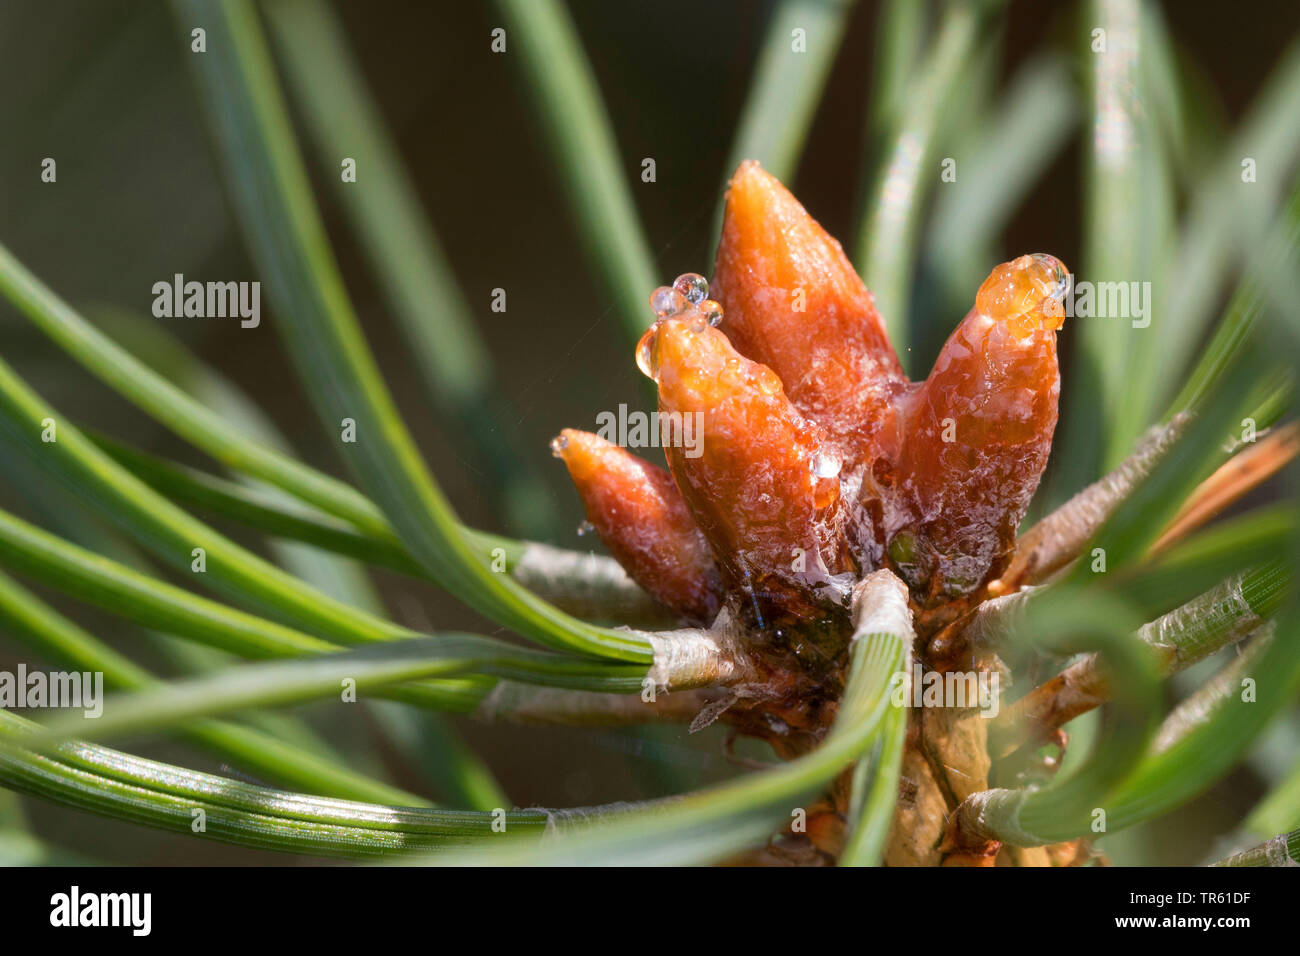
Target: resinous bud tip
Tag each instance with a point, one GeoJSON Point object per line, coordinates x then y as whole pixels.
{"type": "Point", "coordinates": [695, 319]}
{"type": "Point", "coordinates": [1026, 294]}
{"type": "Point", "coordinates": [558, 444]}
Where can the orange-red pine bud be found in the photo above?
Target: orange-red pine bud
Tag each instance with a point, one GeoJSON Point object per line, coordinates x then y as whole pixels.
{"type": "Point", "coordinates": [643, 521]}
{"type": "Point", "coordinates": [765, 486]}
{"type": "Point", "coordinates": [794, 302]}
{"type": "Point", "coordinates": [977, 434]}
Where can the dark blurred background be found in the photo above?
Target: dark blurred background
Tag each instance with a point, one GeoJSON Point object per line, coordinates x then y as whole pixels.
{"type": "Point", "coordinates": [104, 88]}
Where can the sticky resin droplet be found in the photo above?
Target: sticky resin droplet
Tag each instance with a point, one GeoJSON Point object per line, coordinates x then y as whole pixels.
{"type": "Point", "coordinates": [732, 376]}
{"type": "Point", "coordinates": [585, 528]}
{"type": "Point", "coordinates": [766, 380]}
{"type": "Point", "coordinates": [692, 286]}
{"type": "Point", "coordinates": [645, 352]}
{"type": "Point", "coordinates": [558, 444]}
{"type": "Point", "coordinates": [1026, 294]}
{"type": "Point", "coordinates": [825, 464]}
{"type": "Point", "coordinates": [825, 467]}
{"type": "Point", "coordinates": [667, 301]}
{"type": "Point", "coordinates": [712, 311]}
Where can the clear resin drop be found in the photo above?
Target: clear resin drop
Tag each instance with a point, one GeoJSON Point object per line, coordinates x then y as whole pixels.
{"type": "Point", "coordinates": [667, 301]}
{"type": "Point", "coordinates": [825, 464]}
{"type": "Point", "coordinates": [712, 311]}
{"type": "Point", "coordinates": [693, 287]}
